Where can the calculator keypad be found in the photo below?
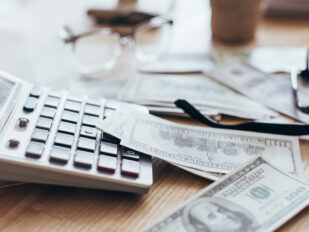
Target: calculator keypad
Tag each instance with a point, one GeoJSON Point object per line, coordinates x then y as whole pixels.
{"type": "Point", "coordinates": [77, 138]}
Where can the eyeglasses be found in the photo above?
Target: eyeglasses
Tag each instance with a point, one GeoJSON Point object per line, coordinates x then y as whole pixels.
{"type": "Point", "coordinates": [273, 128]}
{"type": "Point", "coordinates": [100, 49]}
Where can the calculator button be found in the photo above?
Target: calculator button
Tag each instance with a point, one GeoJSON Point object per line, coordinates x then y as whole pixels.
{"type": "Point", "coordinates": [30, 104]}
{"type": "Point", "coordinates": [36, 91]}
{"type": "Point", "coordinates": [67, 127]}
{"type": "Point", "coordinates": [130, 167]}
{"type": "Point", "coordinates": [65, 140]}
{"type": "Point", "coordinates": [93, 101]}
{"type": "Point", "coordinates": [86, 144]}
{"type": "Point", "coordinates": [107, 163]}
{"type": "Point", "coordinates": [130, 154]}
{"type": "Point", "coordinates": [108, 112]}
{"type": "Point", "coordinates": [40, 135]}
{"type": "Point", "coordinates": [109, 138]}
{"type": "Point", "coordinates": [44, 123]}
{"type": "Point", "coordinates": [89, 120]}
{"type": "Point", "coordinates": [54, 93]}
{"type": "Point", "coordinates": [88, 131]}
{"type": "Point", "coordinates": [35, 149]}
{"type": "Point", "coordinates": [22, 123]}
{"type": "Point", "coordinates": [109, 148]}
{"type": "Point", "coordinates": [13, 143]}
{"type": "Point", "coordinates": [60, 154]}
{"type": "Point", "coordinates": [73, 105]}
{"type": "Point", "coordinates": [48, 112]}
{"type": "Point", "coordinates": [52, 101]}
{"type": "Point", "coordinates": [75, 97]}
{"type": "Point", "coordinates": [69, 116]}
{"type": "Point", "coordinates": [83, 159]}
{"type": "Point", "coordinates": [92, 109]}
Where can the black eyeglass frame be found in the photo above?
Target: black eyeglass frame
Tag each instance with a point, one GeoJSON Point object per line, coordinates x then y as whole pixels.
{"type": "Point", "coordinates": [272, 128]}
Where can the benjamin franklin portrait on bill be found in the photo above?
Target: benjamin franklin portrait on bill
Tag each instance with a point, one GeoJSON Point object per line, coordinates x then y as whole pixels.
{"type": "Point", "coordinates": [212, 214]}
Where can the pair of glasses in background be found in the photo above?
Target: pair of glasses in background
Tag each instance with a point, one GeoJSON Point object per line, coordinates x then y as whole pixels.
{"type": "Point", "coordinates": [98, 50]}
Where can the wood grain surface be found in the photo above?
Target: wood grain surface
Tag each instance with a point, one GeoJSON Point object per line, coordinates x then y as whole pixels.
{"type": "Point", "coordinates": [32, 207]}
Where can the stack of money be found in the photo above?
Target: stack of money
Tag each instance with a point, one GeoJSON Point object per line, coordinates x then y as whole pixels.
{"type": "Point", "coordinates": [234, 21]}
{"type": "Point", "coordinates": [206, 152]}
{"type": "Point", "coordinates": [259, 177]}
{"type": "Point", "coordinates": [158, 92]}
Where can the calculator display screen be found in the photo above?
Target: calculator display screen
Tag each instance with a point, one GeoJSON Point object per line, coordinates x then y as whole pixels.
{"type": "Point", "coordinates": [6, 87]}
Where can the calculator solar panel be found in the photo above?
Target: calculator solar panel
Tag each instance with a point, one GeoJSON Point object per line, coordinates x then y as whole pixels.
{"type": "Point", "coordinates": [50, 137]}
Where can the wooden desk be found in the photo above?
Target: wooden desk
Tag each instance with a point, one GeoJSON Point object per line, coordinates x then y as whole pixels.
{"type": "Point", "coordinates": [33, 207]}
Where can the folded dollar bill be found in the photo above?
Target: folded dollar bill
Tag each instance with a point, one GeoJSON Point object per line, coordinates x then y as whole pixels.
{"type": "Point", "coordinates": [274, 92]}
{"type": "Point", "coordinates": [201, 148]}
{"type": "Point", "coordinates": [255, 197]}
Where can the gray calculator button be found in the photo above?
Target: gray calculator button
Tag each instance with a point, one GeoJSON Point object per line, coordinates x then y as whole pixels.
{"type": "Point", "coordinates": [40, 135]}
{"type": "Point", "coordinates": [109, 148]}
{"type": "Point", "coordinates": [83, 159]}
{"type": "Point", "coordinates": [92, 109]}
{"type": "Point", "coordinates": [65, 140]}
{"type": "Point", "coordinates": [52, 101]}
{"type": "Point", "coordinates": [48, 112]}
{"type": "Point", "coordinates": [75, 97]}
{"type": "Point", "coordinates": [94, 101]}
{"type": "Point", "coordinates": [130, 154]}
{"type": "Point", "coordinates": [36, 91]}
{"type": "Point", "coordinates": [69, 116]}
{"type": "Point", "coordinates": [87, 131]}
{"type": "Point", "coordinates": [73, 105]}
{"type": "Point", "coordinates": [89, 120]}
{"type": "Point", "coordinates": [54, 93]}
{"type": "Point", "coordinates": [107, 163]}
{"type": "Point", "coordinates": [67, 127]}
{"type": "Point", "coordinates": [60, 154]}
{"type": "Point", "coordinates": [86, 144]}
{"type": "Point", "coordinates": [35, 149]}
{"type": "Point", "coordinates": [44, 123]}
{"type": "Point", "coordinates": [130, 167]}
{"type": "Point", "coordinates": [30, 104]}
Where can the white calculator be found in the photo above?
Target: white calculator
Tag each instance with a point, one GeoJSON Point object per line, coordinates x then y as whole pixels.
{"type": "Point", "coordinates": [50, 137]}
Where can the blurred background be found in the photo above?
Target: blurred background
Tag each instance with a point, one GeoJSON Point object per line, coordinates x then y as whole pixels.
{"type": "Point", "coordinates": [36, 46]}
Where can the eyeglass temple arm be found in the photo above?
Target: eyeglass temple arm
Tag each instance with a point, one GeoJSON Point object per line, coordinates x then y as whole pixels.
{"type": "Point", "coordinates": [277, 128]}
{"type": "Point", "coordinates": [154, 22]}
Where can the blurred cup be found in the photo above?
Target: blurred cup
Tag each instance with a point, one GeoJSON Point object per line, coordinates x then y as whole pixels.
{"type": "Point", "coordinates": [234, 21]}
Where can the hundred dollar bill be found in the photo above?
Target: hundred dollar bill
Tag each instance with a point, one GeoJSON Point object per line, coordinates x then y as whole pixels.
{"type": "Point", "coordinates": [197, 88]}
{"type": "Point", "coordinates": [205, 174]}
{"type": "Point", "coordinates": [256, 197]}
{"type": "Point", "coordinates": [205, 149]}
{"type": "Point", "coordinates": [274, 92]}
